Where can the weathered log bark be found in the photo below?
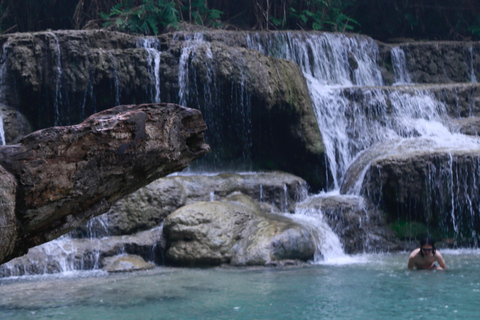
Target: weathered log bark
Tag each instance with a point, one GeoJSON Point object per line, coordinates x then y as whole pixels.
{"type": "Point", "coordinates": [67, 175]}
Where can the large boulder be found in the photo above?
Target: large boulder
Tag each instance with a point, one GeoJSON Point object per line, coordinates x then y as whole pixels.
{"type": "Point", "coordinates": [424, 188]}
{"type": "Point", "coordinates": [361, 226]}
{"type": "Point", "coordinates": [67, 175]}
{"type": "Point", "coordinates": [150, 205]}
{"type": "Point", "coordinates": [235, 231]}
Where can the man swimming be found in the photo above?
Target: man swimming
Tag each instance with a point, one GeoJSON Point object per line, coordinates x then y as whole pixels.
{"type": "Point", "coordinates": [426, 256]}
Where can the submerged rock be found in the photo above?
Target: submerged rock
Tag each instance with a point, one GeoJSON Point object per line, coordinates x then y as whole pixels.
{"type": "Point", "coordinates": [234, 231]}
{"type": "Point", "coordinates": [124, 263]}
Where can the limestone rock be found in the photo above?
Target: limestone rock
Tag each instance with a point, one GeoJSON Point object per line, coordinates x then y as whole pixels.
{"type": "Point", "coordinates": [150, 205]}
{"type": "Point", "coordinates": [67, 254]}
{"type": "Point", "coordinates": [8, 221]}
{"type": "Point", "coordinates": [15, 124]}
{"type": "Point", "coordinates": [233, 231]}
{"type": "Point", "coordinates": [248, 100]}
{"type": "Point", "coordinates": [423, 186]}
{"type": "Point", "coordinates": [123, 263]}
{"type": "Point", "coordinates": [67, 175]}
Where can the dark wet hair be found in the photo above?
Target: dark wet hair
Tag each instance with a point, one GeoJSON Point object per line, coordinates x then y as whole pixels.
{"type": "Point", "coordinates": [425, 241]}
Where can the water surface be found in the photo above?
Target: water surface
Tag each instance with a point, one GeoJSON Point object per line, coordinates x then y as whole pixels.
{"type": "Point", "coordinates": [359, 287]}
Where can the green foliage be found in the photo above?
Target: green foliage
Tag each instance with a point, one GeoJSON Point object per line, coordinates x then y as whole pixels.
{"type": "Point", "coordinates": [152, 15]}
{"type": "Point", "coordinates": [406, 230]}
{"type": "Point", "coordinates": [474, 29]}
{"type": "Point", "coordinates": [199, 13]}
{"type": "Point", "coordinates": [145, 18]}
{"type": "Point", "coordinates": [326, 15]}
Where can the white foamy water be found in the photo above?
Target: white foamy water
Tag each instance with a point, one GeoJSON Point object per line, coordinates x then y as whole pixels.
{"type": "Point", "coordinates": [152, 47]}
{"type": "Point", "coordinates": [2, 131]}
{"type": "Point", "coordinates": [400, 70]}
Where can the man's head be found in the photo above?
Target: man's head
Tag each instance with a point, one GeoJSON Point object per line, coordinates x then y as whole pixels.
{"type": "Point", "coordinates": [427, 246]}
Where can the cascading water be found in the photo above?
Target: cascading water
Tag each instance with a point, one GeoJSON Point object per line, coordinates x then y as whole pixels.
{"type": "Point", "coordinates": [473, 78]}
{"type": "Point", "coordinates": [354, 109]}
{"type": "Point", "coordinates": [226, 107]}
{"type": "Point", "coordinates": [399, 63]}
{"type": "Point", "coordinates": [3, 71]}
{"type": "Point", "coordinates": [2, 131]}
{"type": "Point", "coordinates": [152, 47]}
{"type": "Point", "coordinates": [58, 81]}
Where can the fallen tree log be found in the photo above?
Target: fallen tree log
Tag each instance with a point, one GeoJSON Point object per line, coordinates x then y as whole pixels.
{"type": "Point", "coordinates": [58, 178]}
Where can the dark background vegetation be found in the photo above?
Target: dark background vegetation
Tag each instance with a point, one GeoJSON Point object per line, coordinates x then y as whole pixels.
{"type": "Point", "coordinates": [381, 19]}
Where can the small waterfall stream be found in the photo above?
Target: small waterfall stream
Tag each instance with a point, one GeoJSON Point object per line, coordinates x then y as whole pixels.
{"type": "Point", "coordinates": [2, 131]}
{"type": "Point", "coordinates": [58, 81]}
{"type": "Point", "coordinates": [152, 47]}
{"type": "Point", "coordinates": [226, 108]}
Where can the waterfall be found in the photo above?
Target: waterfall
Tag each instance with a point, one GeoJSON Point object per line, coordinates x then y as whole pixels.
{"type": "Point", "coordinates": [2, 131]}
{"type": "Point", "coordinates": [328, 248]}
{"type": "Point", "coordinates": [473, 78]}
{"type": "Point", "coordinates": [359, 116]}
{"type": "Point", "coordinates": [226, 107]}
{"type": "Point", "coordinates": [399, 63]}
{"type": "Point", "coordinates": [152, 47]}
{"type": "Point", "coordinates": [58, 80]}
{"type": "Point", "coordinates": [183, 69]}
{"type": "Point", "coordinates": [116, 83]}
{"type": "Point", "coordinates": [330, 62]}
{"type": "Point", "coordinates": [3, 72]}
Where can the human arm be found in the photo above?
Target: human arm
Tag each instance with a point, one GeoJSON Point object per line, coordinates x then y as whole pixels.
{"type": "Point", "coordinates": [440, 260]}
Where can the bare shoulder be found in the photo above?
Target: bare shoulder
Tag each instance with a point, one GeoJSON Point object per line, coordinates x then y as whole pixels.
{"type": "Point", "coordinates": [414, 253]}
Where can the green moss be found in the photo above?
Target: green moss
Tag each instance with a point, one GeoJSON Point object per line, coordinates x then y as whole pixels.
{"type": "Point", "coordinates": [409, 229]}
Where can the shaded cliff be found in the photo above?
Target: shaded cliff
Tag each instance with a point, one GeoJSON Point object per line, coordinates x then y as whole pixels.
{"type": "Point", "coordinates": [248, 100]}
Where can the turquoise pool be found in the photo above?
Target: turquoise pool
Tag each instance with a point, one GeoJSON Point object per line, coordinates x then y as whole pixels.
{"type": "Point", "coordinates": [374, 286]}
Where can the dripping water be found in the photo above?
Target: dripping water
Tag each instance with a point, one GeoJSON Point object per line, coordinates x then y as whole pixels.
{"type": "Point", "coordinates": [59, 69]}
